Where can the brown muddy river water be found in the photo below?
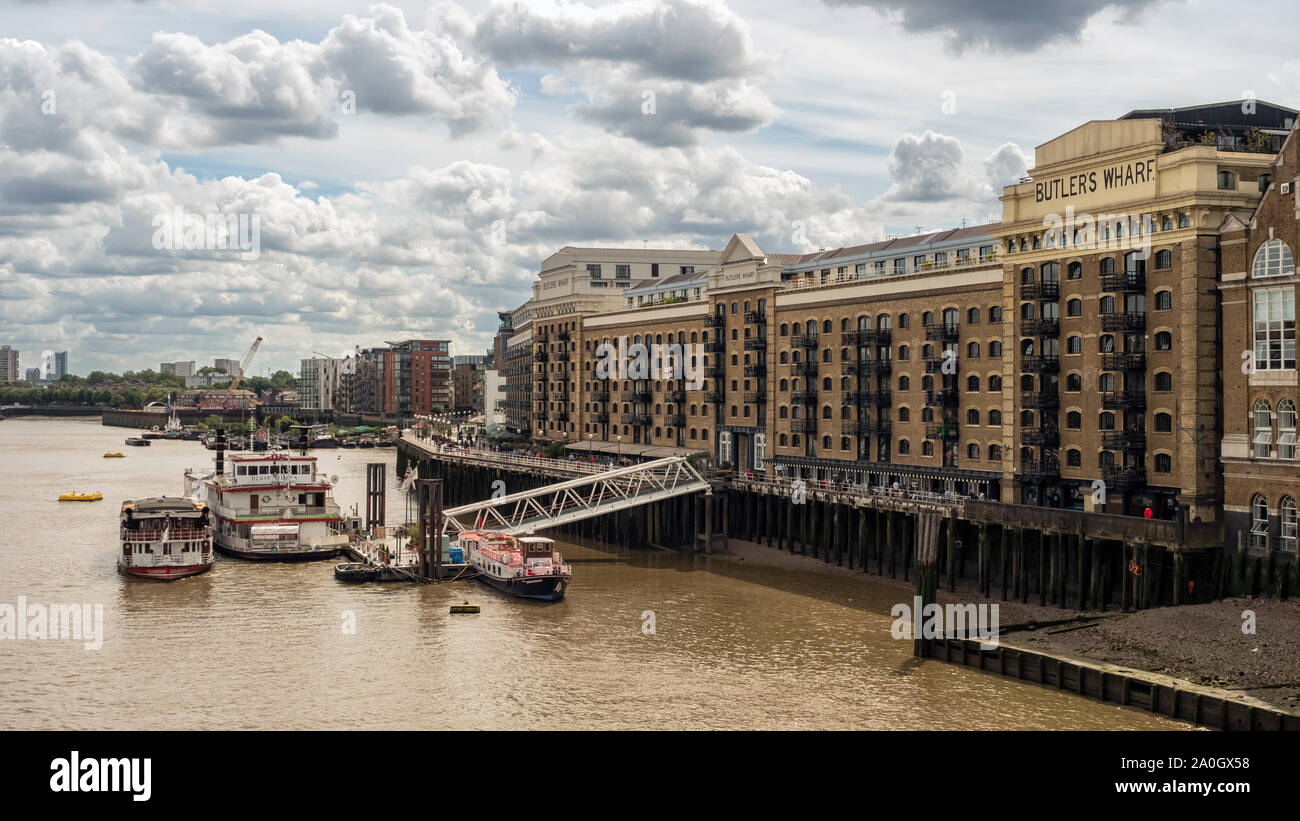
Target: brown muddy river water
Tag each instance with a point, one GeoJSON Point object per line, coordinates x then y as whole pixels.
{"type": "Point", "coordinates": [263, 646]}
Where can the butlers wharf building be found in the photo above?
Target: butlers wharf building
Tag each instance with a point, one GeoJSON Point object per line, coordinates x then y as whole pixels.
{"type": "Point", "coordinates": [1119, 348]}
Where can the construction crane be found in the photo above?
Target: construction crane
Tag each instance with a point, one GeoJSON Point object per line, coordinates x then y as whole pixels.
{"type": "Point", "coordinates": [243, 366]}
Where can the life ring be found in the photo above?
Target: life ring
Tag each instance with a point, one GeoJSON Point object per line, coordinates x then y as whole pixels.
{"type": "Point", "coordinates": [266, 498]}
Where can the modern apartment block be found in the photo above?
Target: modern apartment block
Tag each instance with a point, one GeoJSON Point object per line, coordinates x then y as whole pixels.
{"type": "Point", "coordinates": [406, 379]}
{"type": "Point", "coordinates": [320, 381]}
{"type": "Point", "coordinates": [8, 365]}
{"type": "Point", "coordinates": [1072, 355]}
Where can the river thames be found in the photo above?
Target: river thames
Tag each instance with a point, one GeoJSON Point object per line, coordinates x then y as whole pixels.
{"type": "Point", "coordinates": [263, 646]}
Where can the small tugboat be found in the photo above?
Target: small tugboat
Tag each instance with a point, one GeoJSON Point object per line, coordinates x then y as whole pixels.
{"type": "Point", "coordinates": [77, 496]}
{"type": "Point", "coordinates": [137, 442]}
{"type": "Point", "coordinates": [165, 538]}
{"type": "Point", "coordinates": [526, 566]}
{"type": "Point", "coordinates": [354, 572]}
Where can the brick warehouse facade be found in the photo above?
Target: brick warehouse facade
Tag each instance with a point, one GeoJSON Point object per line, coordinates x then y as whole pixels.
{"type": "Point", "coordinates": [1258, 287]}
{"type": "Point", "coordinates": [1029, 361]}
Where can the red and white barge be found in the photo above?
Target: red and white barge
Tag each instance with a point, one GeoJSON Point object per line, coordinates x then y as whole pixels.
{"type": "Point", "coordinates": [165, 538]}
{"type": "Point", "coordinates": [271, 506]}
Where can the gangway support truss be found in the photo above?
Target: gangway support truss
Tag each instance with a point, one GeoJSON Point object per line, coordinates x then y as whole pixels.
{"type": "Point", "coordinates": [577, 499]}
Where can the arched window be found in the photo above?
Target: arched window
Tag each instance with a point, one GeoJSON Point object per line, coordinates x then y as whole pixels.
{"type": "Point", "coordinates": [973, 451]}
{"type": "Point", "coordinates": [1286, 429]}
{"type": "Point", "coordinates": [1105, 459]}
{"type": "Point", "coordinates": [1287, 533]}
{"type": "Point", "coordinates": [927, 448]}
{"type": "Point", "coordinates": [995, 383]}
{"type": "Point", "coordinates": [995, 453]}
{"type": "Point", "coordinates": [973, 350]}
{"type": "Point", "coordinates": [1164, 381]}
{"type": "Point", "coordinates": [1273, 259]}
{"type": "Point", "coordinates": [1106, 305]}
{"type": "Point", "coordinates": [927, 414]}
{"type": "Point", "coordinates": [904, 384]}
{"type": "Point", "coordinates": [1106, 421]}
{"type": "Point", "coordinates": [1263, 426]}
{"type": "Point", "coordinates": [1074, 420]}
{"type": "Point", "coordinates": [995, 418]}
{"type": "Point", "coordinates": [1074, 458]}
{"type": "Point", "coordinates": [1106, 383]}
{"type": "Point", "coordinates": [995, 313]}
{"type": "Point", "coordinates": [1073, 382]}
{"type": "Point", "coordinates": [904, 447]}
{"type": "Point", "coordinates": [995, 350]}
{"type": "Point", "coordinates": [1259, 522]}
{"type": "Point", "coordinates": [1074, 307]}
{"type": "Point", "coordinates": [1106, 266]}
{"type": "Point", "coordinates": [1074, 344]}
{"type": "Point", "coordinates": [972, 382]}
{"type": "Point", "coordinates": [1164, 423]}
{"type": "Point", "coordinates": [1164, 300]}
{"type": "Point", "coordinates": [826, 443]}
{"type": "Point", "coordinates": [973, 416]}
{"type": "Point", "coordinates": [1164, 463]}
{"type": "Point", "coordinates": [904, 414]}
{"type": "Point", "coordinates": [1164, 341]}
{"type": "Point", "coordinates": [904, 353]}
{"type": "Point", "coordinates": [1164, 260]}
{"type": "Point", "coordinates": [1074, 271]}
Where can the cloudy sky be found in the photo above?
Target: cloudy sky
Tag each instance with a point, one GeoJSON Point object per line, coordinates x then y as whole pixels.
{"type": "Point", "coordinates": [409, 165]}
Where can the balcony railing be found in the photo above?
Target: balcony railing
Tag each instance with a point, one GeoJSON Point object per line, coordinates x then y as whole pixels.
{"type": "Point", "coordinates": [677, 395]}
{"type": "Point", "coordinates": [1048, 363]}
{"type": "Point", "coordinates": [755, 397]}
{"type": "Point", "coordinates": [757, 371]}
{"type": "Point", "coordinates": [1129, 400]}
{"type": "Point", "coordinates": [934, 364]}
{"type": "Point", "coordinates": [540, 355]}
{"type": "Point", "coordinates": [874, 399]}
{"type": "Point", "coordinates": [946, 431]}
{"type": "Point", "coordinates": [756, 343]}
{"type": "Point", "coordinates": [803, 369]}
{"type": "Point", "coordinates": [944, 398]}
{"type": "Point", "coordinates": [715, 346]}
{"type": "Point", "coordinates": [639, 419]}
{"type": "Point", "coordinates": [715, 321]}
{"type": "Point", "coordinates": [803, 425]}
{"type": "Point", "coordinates": [715, 371]}
{"type": "Point", "coordinates": [600, 417]}
{"type": "Point", "coordinates": [714, 396]}
{"type": "Point", "coordinates": [675, 420]}
{"type": "Point", "coordinates": [1127, 321]}
{"type": "Point", "coordinates": [1048, 436]}
{"type": "Point", "coordinates": [1124, 440]}
{"type": "Point", "coordinates": [1124, 475]}
{"type": "Point", "coordinates": [804, 340]}
{"type": "Point", "coordinates": [1124, 281]}
{"type": "Point", "coordinates": [1045, 468]}
{"type": "Point", "coordinates": [1131, 361]}
{"type": "Point", "coordinates": [875, 367]}
{"type": "Point", "coordinates": [1040, 400]}
{"type": "Point", "coordinates": [642, 396]}
{"type": "Point", "coordinates": [564, 336]}
{"type": "Point", "coordinates": [1040, 290]}
{"type": "Point", "coordinates": [941, 331]}
{"type": "Point", "coordinates": [803, 398]}
{"type": "Point", "coordinates": [562, 416]}
{"type": "Point", "coordinates": [755, 317]}
{"type": "Point", "coordinates": [561, 356]}
{"type": "Point", "coordinates": [1050, 326]}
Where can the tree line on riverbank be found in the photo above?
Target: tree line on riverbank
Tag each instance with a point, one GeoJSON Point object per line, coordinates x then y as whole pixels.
{"type": "Point", "coordinates": [131, 389]}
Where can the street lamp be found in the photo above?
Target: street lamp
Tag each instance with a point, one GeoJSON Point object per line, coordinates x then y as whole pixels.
{"type": "Point", "coordinates": [620, 448]}
{"type": "Point", "coordinates": [590, 436]}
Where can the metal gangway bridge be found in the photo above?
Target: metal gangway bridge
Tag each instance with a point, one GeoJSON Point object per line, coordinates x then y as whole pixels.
{"type": "Point", "coordinates": [575, 499]}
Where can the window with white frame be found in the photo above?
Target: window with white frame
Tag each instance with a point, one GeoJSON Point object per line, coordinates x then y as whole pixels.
{"type": "Point", "coordinates": [1287, 535]}
{"type": "Point", "coordinates": [1273, 259]}
{"type": "Point", "coordinates": [1286, 418]}
{"type": "Point", "coordinates": [1263, 427]}
{"type": "Point", "coordinates": [1274, 319]}
{"type": "Point", "coordinates": [1259, 522]}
